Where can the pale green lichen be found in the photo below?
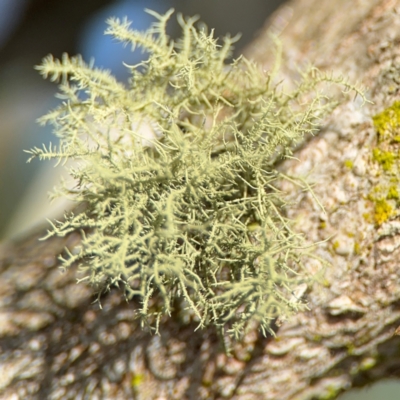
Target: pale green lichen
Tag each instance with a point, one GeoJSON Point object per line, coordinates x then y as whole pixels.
{"type": "Point", "coordinates": [191, 216]}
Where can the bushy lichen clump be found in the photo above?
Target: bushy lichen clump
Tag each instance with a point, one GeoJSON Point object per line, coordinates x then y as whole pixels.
{"type": "Point", "coordinates": [191, 216]}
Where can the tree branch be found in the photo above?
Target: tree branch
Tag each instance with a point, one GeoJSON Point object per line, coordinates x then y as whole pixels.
{"type": "Point", "coordinates": [55, 343]}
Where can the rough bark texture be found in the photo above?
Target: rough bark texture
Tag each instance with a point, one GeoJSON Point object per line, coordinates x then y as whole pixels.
{"type": "Point", "coordinates": [56, 344]}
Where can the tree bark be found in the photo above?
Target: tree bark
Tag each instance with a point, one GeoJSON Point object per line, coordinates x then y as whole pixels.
{"type": "Point", "coordinates": [57, 344]}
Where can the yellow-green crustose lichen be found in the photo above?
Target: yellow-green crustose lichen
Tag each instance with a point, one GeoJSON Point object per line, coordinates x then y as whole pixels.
{"type": "Point", "coordinates": [387, 123]}
{"type": "Point", "coordinates": [349, 164]}
{"type": "Point", "coordinates": [189, 219]}
{"type": "Point", "coordinates": [385, 196]}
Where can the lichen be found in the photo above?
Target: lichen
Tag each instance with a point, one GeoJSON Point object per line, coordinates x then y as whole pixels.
{"type": "Point", "coordinates": [385, 195]}
{"type": "Point", "coordinates": [385, 158]}
{"type": "Point", "coordinates": [348, 164]}
{"type": "Point", "coordinates": [177, 171]}
{"type": "Point", "coordinates": [387, 122]}
{"type": "Point", "coordinates": [392, 193]}
{"type": "Point", "coordinates": [367, 363]}
{"type": "Point", "coordinates": [357, 248]}
{"type": "Point", "coordinates": [383, 211]}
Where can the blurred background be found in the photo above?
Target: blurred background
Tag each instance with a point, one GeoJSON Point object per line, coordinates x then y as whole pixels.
{"type": "Point", "coordinates": [31, 29]}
